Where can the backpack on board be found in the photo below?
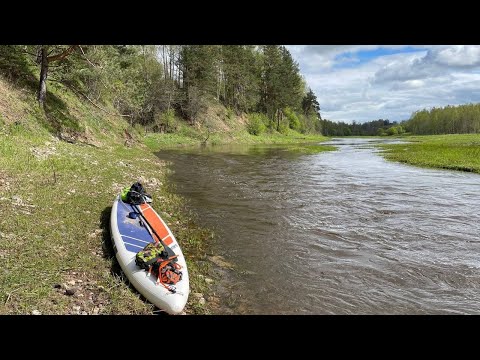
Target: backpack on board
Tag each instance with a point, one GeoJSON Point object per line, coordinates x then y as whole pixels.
{"type": "Point", "coordinates": [154, 259]}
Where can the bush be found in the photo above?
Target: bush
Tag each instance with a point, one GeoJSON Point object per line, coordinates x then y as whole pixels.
{"type": "Point", "coordinates": [392, 131]}
{"type": "Point", "coordinates": [381, 132]}
{"type": "Point", "coordinates": [256, 124]}
{"type": "Point", "coordinates": [165, 122]}
{"type": "Point", "coordinates": [283, 129]}
{"type": "Point", "coordinates": [293, 121]}
{"type": "Point", "coordinates": [230, 113]}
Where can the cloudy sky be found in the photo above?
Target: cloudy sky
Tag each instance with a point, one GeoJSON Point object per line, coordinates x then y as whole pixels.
{"type": "Point", "coordinates": [369, 82]}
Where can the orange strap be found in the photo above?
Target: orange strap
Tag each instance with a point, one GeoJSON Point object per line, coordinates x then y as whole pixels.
{"type": "Point", "coordinates": [163, 278]}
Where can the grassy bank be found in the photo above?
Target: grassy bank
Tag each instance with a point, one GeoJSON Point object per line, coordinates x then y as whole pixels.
{"type": "Point", "coordinates": [56, 200]}
{"type": "Point", "coordinates": [155, 141]}
{"type": "Point", "coordinates": [56, 191]}
{"type": "Point", "coordinates": [454, 152]}
{"type": "Point", "coordinates": [57, 185]}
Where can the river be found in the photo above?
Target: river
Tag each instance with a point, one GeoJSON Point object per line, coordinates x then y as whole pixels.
{"type": "Point", "coordinates": [340, 232]}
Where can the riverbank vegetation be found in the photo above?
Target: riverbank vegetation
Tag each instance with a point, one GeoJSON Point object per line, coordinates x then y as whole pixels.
{"type": "Point", "coordinates": [78, 123]}
{"type": "Point", "coordinates": [454, 152]}
{"type": "Point", "coordinates": [463, 119]}
{"type": "Point", "coordinates": [56, 198]}
{"type": "Point", "coordinates": [165, 88]}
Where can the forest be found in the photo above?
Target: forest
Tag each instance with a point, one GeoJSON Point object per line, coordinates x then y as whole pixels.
{"type": "Point", "coordinates": [158, 85]}
{"type": "Point", "coordinates": [463, 119]}
{"type": "Point", "coordinates": [379, 127]}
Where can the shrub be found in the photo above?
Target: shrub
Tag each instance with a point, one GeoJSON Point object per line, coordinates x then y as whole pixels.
{"type": "Point", "coordinates": [256, 124]}
{"type": "Point", "coordinates": [293, 121]}
{"type": "Point", "coordinates": [392, 131]}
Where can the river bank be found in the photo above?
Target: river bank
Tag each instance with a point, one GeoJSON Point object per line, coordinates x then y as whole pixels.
{"type": "Point", "coordinates": [453, 151]}
{"type": "Point", "coordinates": [54, 236]}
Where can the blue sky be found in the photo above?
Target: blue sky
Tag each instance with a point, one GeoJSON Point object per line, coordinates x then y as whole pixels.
{"type": "Point", "coordinates": [369, 82]}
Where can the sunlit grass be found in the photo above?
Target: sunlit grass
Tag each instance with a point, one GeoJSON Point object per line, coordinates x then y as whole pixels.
{"type": "Point", "coordinates": [454, 152]}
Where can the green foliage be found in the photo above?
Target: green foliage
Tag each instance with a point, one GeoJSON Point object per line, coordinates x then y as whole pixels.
{"type": "Point", "coordinates": [310, 104]}
{"type": "Point", "coordinates": [144, 82]}
{"type": "Point", "coordinates": [455, 152]}
{"type": "Point", "coordinates": [230, 113]}
{"type": "Point", "coordinates": [256, 123]}
{"type": "Point", "coordinates": [447, 120]}
{"type": "Point", "coordinates": [293, 120]}
{"type": "Point", "coordinates": [370, 128]}
{"type": "Point", "coordinates": [283, 128]}
{"type": "Point", "coordinates": [392, 131]}
{"type": "Point", "coordinates": [282, 83]}
{"type": "Point", "coordinates": [165, 122]}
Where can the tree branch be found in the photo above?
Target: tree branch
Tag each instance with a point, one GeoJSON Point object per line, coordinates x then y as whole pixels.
{"type": "Point", "coordinates": [62, 55]}
{"type": "Point", "coordinates": [85, 56]}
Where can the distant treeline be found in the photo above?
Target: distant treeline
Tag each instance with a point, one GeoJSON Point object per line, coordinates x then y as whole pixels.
{"type": "Point", "coordinates": [155, 84]}
{"type": "Point", "coordinates": [461, 119]}
{"type": "Point", "coordinates": [371, 128]}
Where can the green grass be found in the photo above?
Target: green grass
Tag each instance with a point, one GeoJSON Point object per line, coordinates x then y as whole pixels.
{"type": "Point", "coordinates": [155, 141]}
{"type": "Point", "coordinates": [56, 199]}
{"type": "Point", "coordinates": [454, 152]}
{"type": "Point", "coordinates": [55, 226]}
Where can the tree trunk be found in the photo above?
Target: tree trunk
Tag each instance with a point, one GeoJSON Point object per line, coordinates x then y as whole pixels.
{"type": "Point", "coordinates": [277, 114]}
{"type": "Point", "coordinates": [42, 90]}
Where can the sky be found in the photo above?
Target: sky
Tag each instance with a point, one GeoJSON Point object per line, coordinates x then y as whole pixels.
{"type": "Point", "coordinates": [369, 82]}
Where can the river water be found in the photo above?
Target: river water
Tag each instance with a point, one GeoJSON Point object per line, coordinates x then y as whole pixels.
{"type": "Point", "coordinates": [340, 232]}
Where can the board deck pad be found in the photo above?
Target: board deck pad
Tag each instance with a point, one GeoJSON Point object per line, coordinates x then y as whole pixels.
{"type": "Point", "coordinates": [135, 235]}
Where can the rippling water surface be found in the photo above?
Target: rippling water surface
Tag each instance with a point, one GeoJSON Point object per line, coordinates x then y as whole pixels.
{"type": "Point", "coordinates": [341, 232]}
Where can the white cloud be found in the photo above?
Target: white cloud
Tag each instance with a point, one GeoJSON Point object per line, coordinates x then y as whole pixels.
{"type": "Point", "coordinates": [388, 86]}
{"type": "Point", "coordinates": [456, 56]}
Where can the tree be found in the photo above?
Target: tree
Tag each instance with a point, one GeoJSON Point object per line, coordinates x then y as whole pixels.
{"type": "Point", "coordinates": [310, 104]}
{"type": "Point", "coordinates": [44, 59]}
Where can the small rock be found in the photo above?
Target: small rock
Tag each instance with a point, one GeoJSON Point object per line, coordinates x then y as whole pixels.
{"type": "Point", "coordinates": [209, 281]}
{"type": "Point", "coordinates": [83, 313]}
{"type": "Point", "coordinates": [17, 200]}
{"type": "Point", "coordinates": [71, 282]}
{"type": "Point", "coordinates": [202, 301]}
{"type": "Point", "coordinates": [96, 310]}
{"type": "Point", "coordinates": [36, 312]}
{"type": "Point", "coordinates": [69, 292]}
{"type": "Point", "coordinates": [197, 295]}
{"type": "Point", "coordinates": [80, 281]}
{"type": "Point", "coordinates": [80, 295]}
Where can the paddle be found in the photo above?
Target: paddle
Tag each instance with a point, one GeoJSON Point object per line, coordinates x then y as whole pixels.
{"type": "Point", "coordinates": [169, 251]}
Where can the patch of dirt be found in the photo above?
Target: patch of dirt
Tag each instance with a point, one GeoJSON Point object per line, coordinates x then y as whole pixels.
{"type": "Point", "coordinates": [86, 296]}
{"type": "Point", "coordinates": [214, 118]}
{"type": "Point", "coordinates": [5, 182]}
{"type": "Point", "coordinates": [43, 153]}
{"type": "Point", "coordinates": [242, 119]}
